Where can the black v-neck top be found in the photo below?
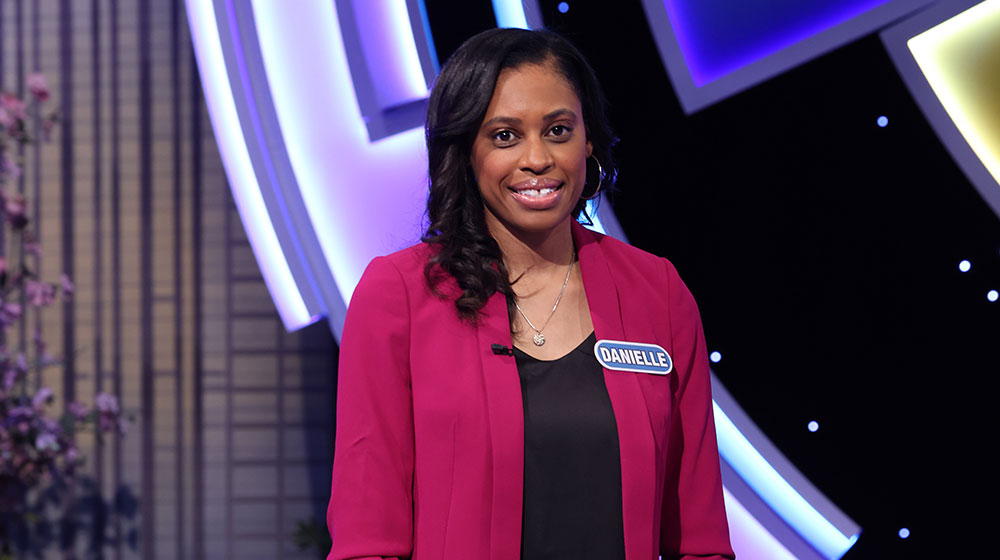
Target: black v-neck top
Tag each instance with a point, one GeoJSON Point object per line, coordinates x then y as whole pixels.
{"type": "Point", "coordinates": [572, 466]}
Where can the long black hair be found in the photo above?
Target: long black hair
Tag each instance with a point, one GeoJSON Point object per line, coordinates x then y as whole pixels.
{"type": "Point", "coordinates": [458, 102]}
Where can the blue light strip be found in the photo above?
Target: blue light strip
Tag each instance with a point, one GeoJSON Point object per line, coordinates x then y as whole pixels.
{"type": "Point", "coordinates": [750, 539]}
{"type": "Point", "coordinates": [795, 510]}
{"type": "Point", "coordinates": [510, 13]}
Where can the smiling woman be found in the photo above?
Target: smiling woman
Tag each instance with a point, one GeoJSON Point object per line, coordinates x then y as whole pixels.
{"type": "Point", "coordinates": [475, 418]}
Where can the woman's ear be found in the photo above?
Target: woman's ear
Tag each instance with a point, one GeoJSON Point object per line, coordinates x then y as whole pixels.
{"type": "Point", "coordinates": [590, 148]}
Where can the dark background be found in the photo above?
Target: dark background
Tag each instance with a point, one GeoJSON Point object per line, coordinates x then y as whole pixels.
{"type": "Point", "coordinates": [823, 251]}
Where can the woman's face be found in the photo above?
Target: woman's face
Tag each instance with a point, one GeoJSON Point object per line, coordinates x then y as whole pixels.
{"type": "Point", "coordinates": [530, 155]}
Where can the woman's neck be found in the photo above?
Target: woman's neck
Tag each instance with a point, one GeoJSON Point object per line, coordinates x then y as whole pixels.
{"type": "Point", "coordinates": [538, 251]}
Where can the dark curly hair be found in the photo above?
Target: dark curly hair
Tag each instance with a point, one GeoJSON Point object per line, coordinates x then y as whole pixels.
{"type": "Point", "coordinates": [458, 102]}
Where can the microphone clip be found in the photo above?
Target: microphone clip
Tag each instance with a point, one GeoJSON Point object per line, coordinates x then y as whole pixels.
{"type": "Point", "coordinates": [501, 350]}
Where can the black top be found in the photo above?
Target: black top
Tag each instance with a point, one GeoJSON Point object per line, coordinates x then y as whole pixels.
{"type": "Point", "coordinates": [572, 467]}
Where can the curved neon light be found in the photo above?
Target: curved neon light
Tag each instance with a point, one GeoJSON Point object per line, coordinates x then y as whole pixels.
{"type": "Point", "coordinates": [239, 170]}
{"type": "Point", "coordinates": [750, 539]}
{"type": "Point", "coordinates": [795, 510]}
{"type": "Point", "coordinates": [349, 184]}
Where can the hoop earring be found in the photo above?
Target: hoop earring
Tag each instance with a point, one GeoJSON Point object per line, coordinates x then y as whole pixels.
{"type": "Point", "coordinates": [600, 179]}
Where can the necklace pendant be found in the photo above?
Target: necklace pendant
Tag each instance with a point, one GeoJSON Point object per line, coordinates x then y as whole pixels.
{"type": "Point", "coordinates": [539, 339]}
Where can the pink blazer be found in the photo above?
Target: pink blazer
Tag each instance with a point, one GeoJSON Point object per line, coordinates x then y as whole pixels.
{"type": "Point", "coordinates": [429, 451]}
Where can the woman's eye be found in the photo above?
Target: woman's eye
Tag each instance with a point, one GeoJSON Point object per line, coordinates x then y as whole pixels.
{"type": "Point", "coordinates": [559, 130]}
{"type": "Point", "coordinates": [504, 136]}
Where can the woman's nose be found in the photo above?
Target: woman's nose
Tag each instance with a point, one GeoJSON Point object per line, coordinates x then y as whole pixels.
{"type": "Point", "coordinates": [536, 157]}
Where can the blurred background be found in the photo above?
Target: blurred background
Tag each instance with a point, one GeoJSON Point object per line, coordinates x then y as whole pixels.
{"type": "Point", "coordinates": [844, 252]}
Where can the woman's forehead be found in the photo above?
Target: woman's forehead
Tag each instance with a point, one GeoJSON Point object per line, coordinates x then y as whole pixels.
{"type": "Point", "coordinates": [532, 91]}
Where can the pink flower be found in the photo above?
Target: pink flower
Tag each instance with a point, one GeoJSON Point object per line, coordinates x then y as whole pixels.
{"type": "Point", "coordinates": [9, 167]}
{"type": "Point", "coordinates": [37, 86]}
{"type": "Point", "coordinates": [13, 105]}
{"type": "Point", "coordinates": [9, 313]}
{"type": "Point", "coordinates": [6, 119]}
{"type": "Point", "coordinates": [14, 208]}
{"type": "Point", "coordinates": [46, 441]}
{"type": "Point", "coordinates": [79, 410]}
{"type": "Point", "coordinates": [39, 294]}
{"type": "Point", "coordinates": [106, 403]}
{"type": "Point", "coordinates": [20, 415]}
{"type": "Point", "coordinates": [43, 396]}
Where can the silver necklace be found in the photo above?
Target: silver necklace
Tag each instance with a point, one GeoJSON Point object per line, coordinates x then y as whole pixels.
{"type": "Point", "coordinates": [539, 338]}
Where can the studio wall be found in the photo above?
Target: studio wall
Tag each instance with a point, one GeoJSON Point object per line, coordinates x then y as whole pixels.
{"type": "Point", "coordinates": [228, 446]}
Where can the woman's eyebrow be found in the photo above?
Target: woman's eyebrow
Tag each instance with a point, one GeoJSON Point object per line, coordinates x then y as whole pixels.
{"type": "Point", "coordinates": [501, 120]}
{"type": "Point", "coordinates": [560, 113]}
{"type": "Point", "coordinates": [513, 121]}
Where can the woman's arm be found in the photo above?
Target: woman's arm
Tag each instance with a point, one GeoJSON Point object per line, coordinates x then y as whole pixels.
{"type": "Point", "coordinates": [371, 501]}
{"type": "Point", "coordinates": [693, 522]}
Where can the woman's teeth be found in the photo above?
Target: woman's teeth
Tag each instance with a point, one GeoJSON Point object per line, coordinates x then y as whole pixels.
{"type": "Point", "coordinates": [536, 192]}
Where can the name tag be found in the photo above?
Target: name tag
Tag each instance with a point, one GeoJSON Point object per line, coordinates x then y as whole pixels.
{"type": "Point", "coordinates": [633, 356]}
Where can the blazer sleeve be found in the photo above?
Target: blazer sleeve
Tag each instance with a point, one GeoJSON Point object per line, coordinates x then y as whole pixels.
{"type": "Point", "coordinates": [693, 521]}
{"type": "Point", "coordinates": [370, 514]}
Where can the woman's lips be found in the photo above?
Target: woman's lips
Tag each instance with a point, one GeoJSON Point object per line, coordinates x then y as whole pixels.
{"type": "Point", "coordinates": [537, 194]}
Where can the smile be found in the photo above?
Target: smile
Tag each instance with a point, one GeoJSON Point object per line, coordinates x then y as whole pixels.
{"type": "Point", "coordinates": [537, 193]}
{"type": "Point", "coordinates": [536, 187]}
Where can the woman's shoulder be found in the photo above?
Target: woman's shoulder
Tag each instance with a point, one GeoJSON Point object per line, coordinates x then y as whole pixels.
{"type": "Point", "coordinates": [387, 279]}
{"type": "Point", "coordinates": [406, 266]}
{"type": "Point", "coordinates": [409, 261]}
{"type": "Point", "coordinates": [629, 256]}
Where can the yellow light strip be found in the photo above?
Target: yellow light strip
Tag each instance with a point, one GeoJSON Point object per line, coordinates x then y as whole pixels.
{"type": "Point", "coordinates": [960, 58]}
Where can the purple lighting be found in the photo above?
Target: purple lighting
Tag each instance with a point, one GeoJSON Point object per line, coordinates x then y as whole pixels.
{"type": "Point", "coordinates": [713, 49]}
{"type": "Point", "coordinates": [720, 36]}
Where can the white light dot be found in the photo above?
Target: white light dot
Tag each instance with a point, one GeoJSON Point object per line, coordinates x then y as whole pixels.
{"type": "Point", "coordinates": [563, 7]}
{"type": "Point", "coordinates": [992, 295]}
{"type": "Point", "coordinates": [882, 121]}
{"type": "Point", "coordinates": [716, 357]}
{"type": "Point", "coordinates": [904, 533]}
{"type": "Point", "coordinates": [964, 266]}
{"type": "Point", "coordinates": [813, 426]}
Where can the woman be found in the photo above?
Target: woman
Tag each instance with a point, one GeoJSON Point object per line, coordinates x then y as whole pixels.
{"type": "Point", "coordinates": [474, 418]}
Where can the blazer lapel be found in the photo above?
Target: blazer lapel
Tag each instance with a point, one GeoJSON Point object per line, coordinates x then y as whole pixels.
{"type": "Point", "coordinates": [506, 417]}
{"type": "Point", "coordinates": [635, 437]}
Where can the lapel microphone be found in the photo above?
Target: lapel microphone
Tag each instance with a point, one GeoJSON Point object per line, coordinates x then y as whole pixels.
{"type": "Point", "coordinates": [501, 350]}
